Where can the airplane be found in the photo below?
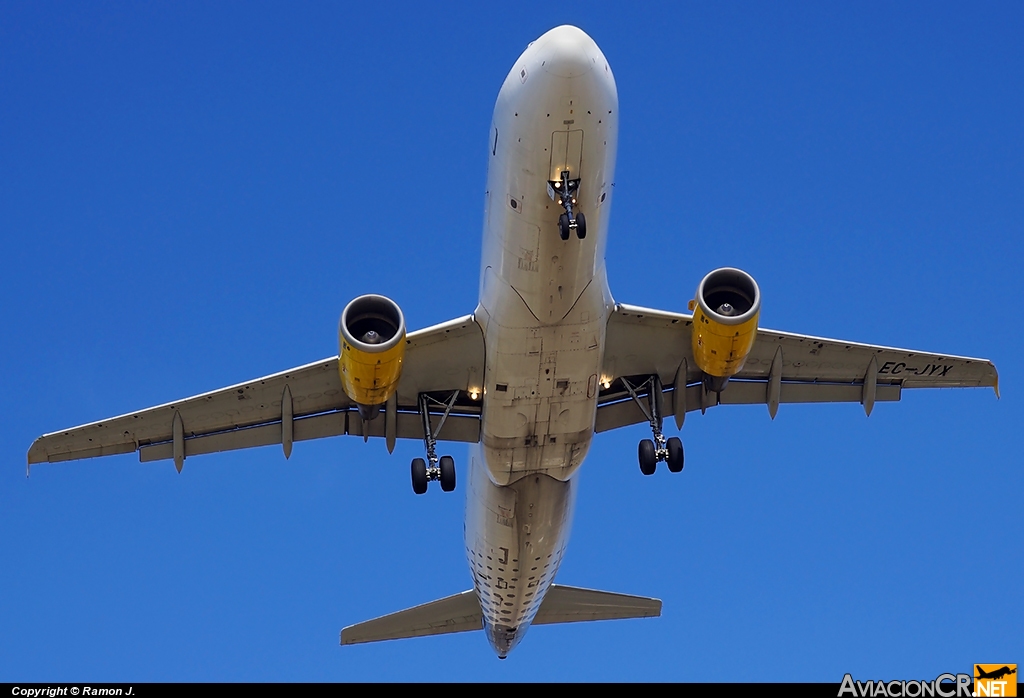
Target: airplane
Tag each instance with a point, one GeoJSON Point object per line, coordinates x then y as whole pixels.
{"type": "Point", "coordinates": [547, 360]}
{"type": "Point", "coordinates": [995, 674]}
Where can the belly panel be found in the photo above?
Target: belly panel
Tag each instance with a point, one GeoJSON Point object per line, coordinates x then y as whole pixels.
{"type": "Point", "coordinates": [515, 539]}
{"type": "Point", "coordinates": [541, 385]}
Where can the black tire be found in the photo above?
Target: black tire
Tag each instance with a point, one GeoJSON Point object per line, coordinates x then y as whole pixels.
{"type": "Point", "coordinates": [581, 226]}
{"type": "Point", "coordinates": [648, 461]}
{"type": "Point", "coordinates": [419, 476]}
{"type": "Point", "coordinates": [447, 473]}
{"type": "Point", "coordinates": [563, 226]}
{"type": "Point", "coordinates": [675, 455]}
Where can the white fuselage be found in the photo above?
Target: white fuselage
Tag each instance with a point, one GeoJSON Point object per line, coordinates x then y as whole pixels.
{"type": "Point", "coordinates": [544, 304]}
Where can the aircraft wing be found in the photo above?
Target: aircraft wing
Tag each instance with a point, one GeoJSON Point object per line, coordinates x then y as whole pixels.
{"type": "Point", "coordinates": [302, 403]}
{"type": "Point", "coordinates": [781, 367]}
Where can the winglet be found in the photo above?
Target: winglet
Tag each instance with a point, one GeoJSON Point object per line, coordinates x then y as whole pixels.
{"type": "Point", "coordinates": [35, 454]}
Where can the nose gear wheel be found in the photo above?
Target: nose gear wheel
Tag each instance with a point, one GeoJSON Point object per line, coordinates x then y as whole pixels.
{"type": "Point", "coordinates": [563, 192]}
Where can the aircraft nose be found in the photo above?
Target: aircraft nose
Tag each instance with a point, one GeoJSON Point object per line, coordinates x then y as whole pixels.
{"type": "Point", "coordinates": [567, 52]}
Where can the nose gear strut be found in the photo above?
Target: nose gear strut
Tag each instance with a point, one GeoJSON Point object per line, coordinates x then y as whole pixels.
{"type": "Point", "coordinates": [563, 192]}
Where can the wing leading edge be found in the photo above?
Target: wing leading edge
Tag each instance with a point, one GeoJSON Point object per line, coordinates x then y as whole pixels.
{"type": "Point", "coordinates": [302, 403]}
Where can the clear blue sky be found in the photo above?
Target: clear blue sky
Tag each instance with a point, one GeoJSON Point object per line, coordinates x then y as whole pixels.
{"type": "Point", "coordinates": [191, 192]}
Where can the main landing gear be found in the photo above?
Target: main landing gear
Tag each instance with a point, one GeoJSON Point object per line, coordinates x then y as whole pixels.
{"type": "Point", "coordinates": [443, 468]}
{"type": "Point", "coordinates": [651, 452]}
{"type": "Point", "coordinates": [563, 192]}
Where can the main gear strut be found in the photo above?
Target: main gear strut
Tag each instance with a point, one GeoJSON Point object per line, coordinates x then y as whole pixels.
{"type": "Point", "coordinates": [443, 468]}
{"type": "Point", "coordinates": [650, 453]}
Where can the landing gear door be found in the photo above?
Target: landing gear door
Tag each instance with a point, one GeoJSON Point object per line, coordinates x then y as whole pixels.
{"type": "Point", "coordinates": [566, 154]}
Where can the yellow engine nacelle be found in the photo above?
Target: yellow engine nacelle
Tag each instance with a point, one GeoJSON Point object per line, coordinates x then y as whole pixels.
{"type": "Point", "coordinates": [372, 339]}
{"type": "Point", "coordinates": [725, 315]}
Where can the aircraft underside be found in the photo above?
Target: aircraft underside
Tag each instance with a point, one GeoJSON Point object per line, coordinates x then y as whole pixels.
{"type": "Point", "coordinates": [547, 360]}
{"type": "Point", "coordinates": [543, 308]}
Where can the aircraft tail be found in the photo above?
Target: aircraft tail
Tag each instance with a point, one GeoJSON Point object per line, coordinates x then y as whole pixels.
{"type": "Point", "coordinates": [461, 612]}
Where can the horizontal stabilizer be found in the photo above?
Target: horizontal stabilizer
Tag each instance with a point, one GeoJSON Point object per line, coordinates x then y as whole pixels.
{"type": "Point", "coordinates": [452, 614]}
{"type": "Point", "coordinates": [564, 604]}
{"type": "Point", "coordinates": [461, 612]}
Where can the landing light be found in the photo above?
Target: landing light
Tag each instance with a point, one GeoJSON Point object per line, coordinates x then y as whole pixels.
{"type": "Point", "coordinates": [474, 394]}
{"type": "Point", "coordinates": [606, 382]}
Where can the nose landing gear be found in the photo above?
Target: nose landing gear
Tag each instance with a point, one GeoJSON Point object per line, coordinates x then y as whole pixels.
{"type": "Point", "coordinates": [441, 469]}
{"type": "Point", "coordinates": [563, 192]}
{"type": "Point", "coordinates": [649, 452]}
